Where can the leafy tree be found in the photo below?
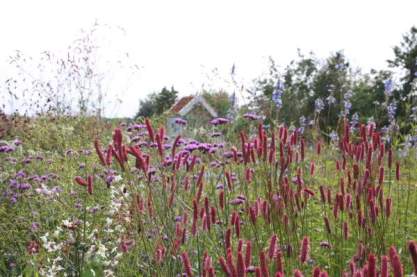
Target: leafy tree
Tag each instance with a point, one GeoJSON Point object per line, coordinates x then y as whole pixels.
{"type": "Point", "coordinates": [219, 101]}
{"type": "Point", "coordinates": [405, 61]}
{"type": "Point", "coordinates": [157, 103]}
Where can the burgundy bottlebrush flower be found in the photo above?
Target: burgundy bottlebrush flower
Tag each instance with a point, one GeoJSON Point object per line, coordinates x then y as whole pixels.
{"type": "Point", "coordinates": [412, 248]}
{"type": "Point", "coordinates": [228, 238]}
{"type": "Point", "coordinates": [388, 207]}
{"type": "Point", "coordinates": [159, 139]}
{"type": "Point", "coordinates": [302, 147]}
{"type": "Point", "coordinates": [195, 217]}
{"type": "Point", "coordinates": [312, 167]}
{"type": "Point", "coordinates": [258, 272]}
{"type": "Point", "coordinates": [390, 158]}
{"type": "Point", "coordinates": [279, 261]}
{"type": "Point", "coordinates": [100, 154]}
{"type": "Point", "coordinates": [237, 226]}
{"type": "Point", "coordinates": [150, 129]}
{"type": "Point", "coordinates": [229, 181]}
{"type": "Point", "coordinates": [263, 264]}
{"type": "Point", "coordinates": [224, 267]}
{"type": "Point", "coordinates": [316, 272]}
{"type": "Point", "coordinates": [324, 274]}
{"type": "Point", "coordinates": [371, 265]}
{"type": "Point", "coordinates": [241, 267]}
{"type": "Point", "coordinates": [230, 264]}
{"type": "Point", "coordinates": [381, 175]}
{"type": "Point", "coordinates": [397, 268]}
{"type": "Point", "coordinates": [221, 199]}
{"type": "Point", "coordinates": [384, 266]}
{"type": "Point", "coordinates": [117, 138]}
{"type": "Point", "coordinates": [174, 145]}
{"type": "Point", "coordinates": [81, 181]}
{"type": "Point", "coordinates": [186, 263]}
{"type": "Point", "coordinates": [305, 250]}
{"type": "Point", "coordinates": [248, 253]}
{"type": "Point", "coordinates": [322, 195]}
{"type": "Point", "coordinates": [272, 246]}
{"type": "Point", "coordinates": [297, 273]}
{"type": "Point", "coordinates": [90, 184]}
{"type": "Point", "coordinates": [318, 148]}
{"type": "Point", "coordinates": [109, 154]}
{"type": "Point", "coordinates": [345, 230]}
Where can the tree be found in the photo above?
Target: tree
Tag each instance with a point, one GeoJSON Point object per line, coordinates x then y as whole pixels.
{"type": "Point", "coordinates": [219, 101]}
{"type": "Point", "coordinates": [157, 103]}
{"type": "Point", "coordinates": [405, 61]}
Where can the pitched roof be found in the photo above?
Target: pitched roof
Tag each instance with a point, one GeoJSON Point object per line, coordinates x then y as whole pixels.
{"type": "Point", "coordinates": [177, 107]}
{"type": "Point", "coordinates": [186, 104]}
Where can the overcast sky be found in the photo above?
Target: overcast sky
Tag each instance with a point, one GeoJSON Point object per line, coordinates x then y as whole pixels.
{"type": "Point", "coordinates": [178, 42]}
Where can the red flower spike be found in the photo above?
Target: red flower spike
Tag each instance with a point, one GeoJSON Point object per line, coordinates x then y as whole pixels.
{"type": "Point", "coordinates": [241, 268]}
{"type": "Point", "coordinates": [224, 267]}
{"type": "Point", "coordinates": [186, 263]}
{"type": "Point", "coordinates": [248, 254]}
{"type": "Point", "coordinates": [264, 265]}
{"type": "Point", "coordinates": [305, 250]}
{"type": "Point", "coordinates": [412, 248]}
{"type": "Point", "coordinates": [79, 180]}
{"type": "Point", "coordinates": [384, 266]}
{"type": "Point", "coordinates": [97, 146]}
{"type": "Point", "coordinates": [272, 246]}
{"type": "Point", "coordinates": [371, 265]}
{"type": "Point", "coordinates": [90, 185]}
{"type": "Point", "coordinates": [397, 268]}
{"type": "Point", "coordinates": [109, 155]}
{"type": "Point", "coordinates": [297, 273]}
{"type": "Point", "coordinates": [316, 272]}
{"type": "Point", "coordinates": [150, 130]}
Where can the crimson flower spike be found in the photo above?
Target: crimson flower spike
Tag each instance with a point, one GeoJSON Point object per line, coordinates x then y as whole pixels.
{"type": "Point", "coordinates": [97, 146]}
{"type": "Point", "coordinates": [81, 181]}
{"type": "Point", "coordinates": [384, 266]}
{"type": "Point", "coordinates": [397, 268]}
{"type": "Point", "coordinates": [90, 185]}
{"type": "Point", "coordinates": [159, 142]}
{"type": "Point", "coordinates": [150, 129]}
{"type": "Point", "coordinates": [186, 263]}
{"type": "Point", "coordinates": [412, 248]}
{"type": "Point", "coordinates": [117, 138]}
{"type": "Point", "coordinates": [174, 146]}
{"type": "Point", "coordinates": [371, 265]}
{"type": "Point", "coordinates": [305, 250]}
{"type": "Point", "coordinates": [109, 155]}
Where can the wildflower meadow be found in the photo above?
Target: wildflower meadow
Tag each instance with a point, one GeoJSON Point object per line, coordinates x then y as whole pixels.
{"type": "Point", "coordinates": [126, 199]}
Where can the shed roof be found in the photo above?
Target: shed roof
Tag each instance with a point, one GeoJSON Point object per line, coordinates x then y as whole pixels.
{"type": "Point", "coordinates": [187, 103]}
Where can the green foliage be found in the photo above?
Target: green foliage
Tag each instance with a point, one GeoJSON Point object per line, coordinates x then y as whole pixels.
{"type": "Point", "coordinates": [219, 101]}
{"type": "Point", "coordinates": [157, 103]}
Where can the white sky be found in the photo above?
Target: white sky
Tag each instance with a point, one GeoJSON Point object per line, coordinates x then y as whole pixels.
{"type": "Point", "coordinates": [178, 42]}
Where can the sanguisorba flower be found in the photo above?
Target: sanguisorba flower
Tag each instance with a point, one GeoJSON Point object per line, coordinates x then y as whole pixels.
{"type": "Point", "coordinates": [412, 248]}
{"type": "Point", "coordinates": [396, 265]}
{"type": "Point", "coordinates": [305, 250]}
{"type": "Point", "coordinates": [85, 183]}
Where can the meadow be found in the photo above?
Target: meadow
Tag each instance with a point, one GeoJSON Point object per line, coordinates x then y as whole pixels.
{"type": "Point", "coordinates": [84, 197]}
